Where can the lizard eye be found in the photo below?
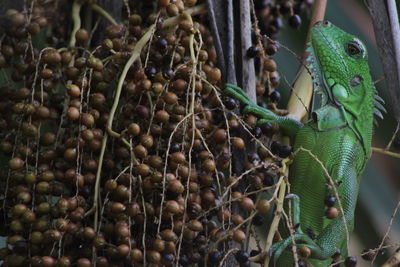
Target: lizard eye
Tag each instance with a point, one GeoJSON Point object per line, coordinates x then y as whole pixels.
{"type": "Point", "coordinates": [357, 80]}
{"type": "Point", "coordinates": [354, 49]}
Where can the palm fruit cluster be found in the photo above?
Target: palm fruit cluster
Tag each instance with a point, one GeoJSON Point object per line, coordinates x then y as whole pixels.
{"type": "Point", "coordinates": [116, 145]}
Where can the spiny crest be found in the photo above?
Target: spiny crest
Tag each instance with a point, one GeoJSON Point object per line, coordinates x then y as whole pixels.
{"type": "Point", "coordinates": [378, 105]}
{"type": "Point", "coordinates": [315, 72]}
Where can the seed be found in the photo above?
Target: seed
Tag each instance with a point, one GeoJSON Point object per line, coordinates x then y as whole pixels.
{"type": "Point", "coordinates": [74, 90]}
{"type": "Point", "coordinates": [368, 254]}
{"type": "Point", "coordinates": [134, 129]}
{"type": "Point", "coordinates": [162, 116]}
{"type": "Point", "coordinates": [47, 176]}
{"type": "Point", "coordinates": [153, 256]}
{"type": "Point", "coordinates": [82, 36]}
{"type": "Point", "coordinates": [304, 252]}
{"type": "Point", "coordinates": [186, 25]}
{"type": "Point", "coordinates": [169, 235]}
{"type": "Point", "coordinates": [140, 151]}
{"type": "Point", "coordinates": [214, 75]}
{"type": "Point", "coordinates": [87, 119]}
{"type": "Point", "coordinates": [48, 261]}
{"type": "Point", "coordinates": [89, 233]}
{"type": "Point", "coordinates": [30, 178]}
{"type": "Point", "coordinates": [19, 209]}
{"type": "Point", "coordinates": [136, 255]}
{"type": "Point", "coordinates": [46, 73]}
{"type": "Point", "coordinates": [16, 163]}
{"type": "Point", "coordinates": [83, 262]}
{"type": "Point", "coordinates": [209, 165]}
{"type": "Point", "coordinates": [270, 65]}
{"type": "Point", "coordinates": [178, 157]}
{"type": "Point", "coordinates": [350, 261]}
{"type": "Point", "coordinates": [73, 113]}
{"type": "Point", "coordinates": [330, 201]}
{"type": "Point", "coordinates": [331, 212]}
{"type": "Point", "coordinates": [271, 49]}
{"type": "Point", "coordinates": [123, 250]}
{"type": "Point", "coordinates": [17, 19]}
{"type": "Point", "coordinates": [230, 103]}
{"type": "Point", "coordinates": [179, 85]}
{"type": "Point", "coordinates": [172, 10]}
{"type": "Point", "coordinates": [175, 186]}
{"type": "Point", "coordinates": [172, 206]}
{"type": "Point", "coordinates": [147, 140]}
{"type": "Point", "coordinates": [158, 245]}
{"type": "Point", "coordinates": [253, 51]}
{"type": "Point", "coordinates": [195, 225]}
{"type": "Point", "coordinates": [170, 98]}
{"type": "Point", "coordinates": [275, 96]}
{"type": "Point", "coordinates": [143, 169]}
{"type": "Point", "coordinates": [237, 219]}
{"type": "Point", "coordinates": [238, 143]}
{"type": "Point", "coordinates": [220, 136]}
{"type": "Point", "coordinates": [242, 256]}
{"type": "Point", "coordinates": [263, 206]}
{"type": "Point", "coordinates": [247, 204]}
{"type": "Point", "coordinates": [48, 139]}
{"type": "Point", "coordinates": [36, 237]}
{"type": "Point", "coordinates": [295, 21]}
{"type": "Point", "coordinates": [70, 154]}
{"type": "Point", "coordinates": [110, 185]}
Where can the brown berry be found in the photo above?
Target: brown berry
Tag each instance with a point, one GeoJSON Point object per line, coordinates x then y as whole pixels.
{"type": "Point", "coordinates": [239, 236]}
{"type": "Point", "coordinates": [331, 213]}
{"type": "Point", "coordinates": [82, 36]}
{"type": "Point", "coordinates": [16, 163]}
{"type": "Point", "coordinates": [247, 204]}
{"type": "Point", "coordinates": [263, 206]}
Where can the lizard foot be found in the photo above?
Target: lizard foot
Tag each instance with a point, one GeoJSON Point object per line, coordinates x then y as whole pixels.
{"type": "Point", "coordinates": [237, 93]}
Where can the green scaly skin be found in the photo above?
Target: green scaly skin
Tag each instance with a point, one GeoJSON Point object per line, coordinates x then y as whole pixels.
{"type": "Point", "coordinates": [339, 135]}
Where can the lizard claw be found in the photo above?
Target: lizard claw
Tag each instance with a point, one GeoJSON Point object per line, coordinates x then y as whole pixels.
{"type": "Point", "coordinates": [290, 196]}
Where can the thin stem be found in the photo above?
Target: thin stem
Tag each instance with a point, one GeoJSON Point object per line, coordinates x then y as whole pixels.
{"type": "Point", "coordinates": [103, 13]}
{"type": "Point", "coordinates": [385, 152]}
{"type": "Point", "coordinates": [76, 8]}
{"type": "Point", "coordinates": [278, 212]}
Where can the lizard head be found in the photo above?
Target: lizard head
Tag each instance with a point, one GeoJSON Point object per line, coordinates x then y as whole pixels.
{"type": "Point", "coordinates": [339, 67]}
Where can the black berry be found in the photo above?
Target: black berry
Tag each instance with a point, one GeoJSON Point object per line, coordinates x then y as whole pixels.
{"type": "Point", "coordinates": [242, 256]}
{"type": "Point", "coordinates": [295, 21]}
{"type": "Point", "coordinates": [150, 71]}
{"type": "Point", "coordinates": [253, 51]}
{"type": "Point", "coordinates": [330, 201]}
{"type": "Point", "coordinates": [284, 151]}
{"type": "Point", "coordinates": [268, 180]}
{"type": "Point", "coordinates": [230, 103]}
{"type": "Point", "coordinates": [275, 96]}
{"type": "Point", "coordinates": [350, 261]}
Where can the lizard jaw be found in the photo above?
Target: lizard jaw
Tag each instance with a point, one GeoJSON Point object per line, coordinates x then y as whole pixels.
{"type": "Point", "coordinates": [316, 74]}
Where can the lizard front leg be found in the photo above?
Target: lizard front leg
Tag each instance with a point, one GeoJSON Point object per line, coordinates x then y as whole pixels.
{"type": "Point", "coordinates": [290, 126]}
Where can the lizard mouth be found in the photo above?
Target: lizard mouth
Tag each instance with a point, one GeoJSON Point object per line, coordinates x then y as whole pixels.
{"type": "Point", "coordinates": [320, 94]}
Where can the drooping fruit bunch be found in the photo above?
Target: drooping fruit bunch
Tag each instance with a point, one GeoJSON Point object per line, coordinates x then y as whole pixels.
{"type": "Point", "coordinates": [116, 145]}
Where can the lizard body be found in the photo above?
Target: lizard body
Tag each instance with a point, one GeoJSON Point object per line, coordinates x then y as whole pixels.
{"type": "Point", "coordinates": [338, 135]}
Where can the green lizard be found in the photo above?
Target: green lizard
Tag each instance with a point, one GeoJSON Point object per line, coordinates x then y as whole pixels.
{"type": "Point", "coordinates": [339, 134]}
